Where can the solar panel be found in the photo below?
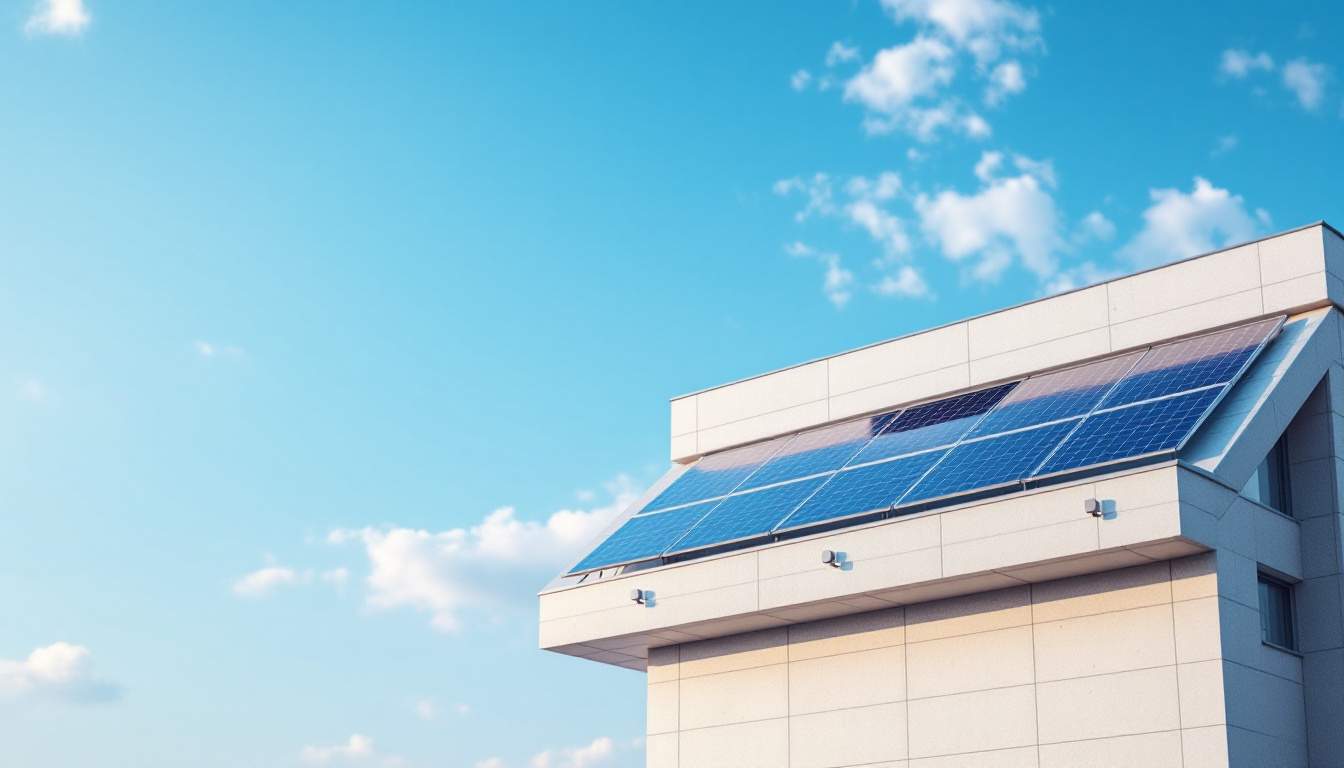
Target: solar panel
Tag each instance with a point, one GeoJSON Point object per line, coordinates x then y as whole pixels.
{"type": "Point", "coordinates": [745, 515]}
{"type": "Point", "coordinates": [1132, 431]}
{"type": "Point", "coordinates": [717, 474]}
{"type": "Point", "coordinates": [990, 462]}
{"type": "Point", "coordinates": [1129, 406]}
{"type": "Point", "coordinates": [1214, 358]}
{"type": "Point", "coordinates": [869, 488]}
{"type": "Point", "coordinates": [931, 425]}
{"type": "Point", "coordinates": [643, 537]}
{"type": "Point", "coordinates": [1057, 395]}
{"type": "Point", "coordinates": [818, 450]}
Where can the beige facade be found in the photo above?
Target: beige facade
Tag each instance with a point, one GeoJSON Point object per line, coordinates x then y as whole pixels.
{"type": "Point", "coordinates": [1018, 630]}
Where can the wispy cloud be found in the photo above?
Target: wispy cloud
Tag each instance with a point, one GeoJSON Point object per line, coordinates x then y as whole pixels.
{"type": "Point", "coordinates": [1224, 144]}
{"type": "Point", "coordinates": [358, 749]}
{"type": "Point", "coordinates": [65, 18]}
{"type": "Point", "coordinates": [599, 751]}
{"type": "Point", "coordinates": [1307, 82]}
{"type": "Point", "coordinates": [428, 709]}
{"type": "Point", "coordinates": [1179, 224]}
{"type": "Point", "coordinates": [838, 281]}
{"type": "Point", "coordinates": [272, 577]}
{"type": "Point", "coordinates": [1238, 62]}
{"type": "Point", "coordinates": [60, 670]}
{"type": "Point", "coordinates": [211, 349]}
{"type": "Point", "coordinates": [31, 390]}
{"type": "Point", "coordinates": [489, 568]}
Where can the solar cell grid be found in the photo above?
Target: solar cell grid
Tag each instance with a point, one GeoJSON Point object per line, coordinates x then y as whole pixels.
{"type": "Point", "coordinates": [643, 537]}
{"type": "Point", "coordinates": [818, 450]}
{"type": "Point", "coordinates": [1058, 395]}
{"type": "Point", "coordinates": [717, 474]}
{"type": "Point", "coordinates": [1214, 358]}
{"type": "Point", "coordinates": [869, 488]}
{"type": "Point", "coordinates": [931, 425]}
{"type": "Point", "coordinates": [989, 462]}
{"type": "Point", "coordinates": [747, 514]}
{"type": "Point", "coordinates": [1134, 430]}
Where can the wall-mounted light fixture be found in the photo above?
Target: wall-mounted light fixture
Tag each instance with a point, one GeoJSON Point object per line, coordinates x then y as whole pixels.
{"type": "Point", "coordinates": [637, 595]}
{"type": "Point", "coordinates": [832, 558]}
{"type": "Point", "coordinates": [1093, 507]}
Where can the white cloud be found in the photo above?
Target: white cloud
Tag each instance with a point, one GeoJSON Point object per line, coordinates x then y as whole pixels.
{"type": "Point", "coordinates": [1086, 273]}
{"type": "Point", "coordinates": [210, 349]}
{"type": "Point", "coordinates": [599, 751]}
{"type": "Point", "coordinates": [1224, 144]}
{"type": "Point", "coordinates": [1306, 80]}
{"type": "Point", "coordinates": [799, 80]}
{"type": "Point", "coordinates": [357, 749]}
{"type": "Point", "coordinates": [67, 18]}
{"type": "Point", "coordinates": [817, 190]}
{"type": "Point", "coordinates": [984, 27]}
{"type": "Point", "coordinates": [840, 53]}
{"type": "Point", "coordinates": [31, 390]}
{"type": "Point", "coordinates": [1094, 226]}
{"type": "Point", "coordinates": [489, 567]}
{"type": "Point", "coordinates": [60, 670]}
{"type": "Point", "coordinates": [1006, 78]}
{"type": "Point", "coordinates": [1006, 217]}
{"type": "Point", "coordinates": [837, 282]}
{"type": "Point", "coordinates": [266, 580]}
{"type": "Point", "coordinates": [987, 167]}
{"type": "Point", "coordinates": [905, 283]}
{"type": "Point", "coordinates": [1179, 224]}
{"type": "Point", "coordinates": [427, 709]}
{"type": "Point", "coordinates": [491, 762]}
{"type": "Point", "coordinates": [1239, 63]}
{"type": "Point", "coordinates": [901, 74]}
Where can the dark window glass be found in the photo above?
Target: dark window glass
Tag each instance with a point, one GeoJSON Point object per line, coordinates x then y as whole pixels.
{"type": "Point", "coordinates": [1269, 484]}
{"type": "Point", "coordinates": [1276, 613]}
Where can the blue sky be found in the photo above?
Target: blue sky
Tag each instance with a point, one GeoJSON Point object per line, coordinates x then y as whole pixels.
{"type": "Point", "coordinates": [333, 330]}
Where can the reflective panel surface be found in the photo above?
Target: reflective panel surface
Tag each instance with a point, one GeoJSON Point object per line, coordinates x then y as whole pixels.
{"type": "Point", "coordinates": [1190, 364]}
{"type": "Point", "coordinates": [931, 425]}
{"type": "Point", "coordinates": [869, 488]}
{"type": "Point", "coordinates": [1058, 395]}
{"type": "Point", "coordinates": [818, 450]}
{"type": "Point", "coordinates": [747, 514]}
{"type": "Point", "coordinates": [643, 537]}
{"type": "Point", "coordinates": [716, 474]}
{"type": "Point", "coordinates": [1134, 430]}
{"type": "Point", "coordinates": [990, 462]}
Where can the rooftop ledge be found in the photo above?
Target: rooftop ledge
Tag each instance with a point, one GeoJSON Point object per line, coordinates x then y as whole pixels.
{"type": "Point", "coordinates": [1288, 272]}
{"type": "Point", "coordinates": [1157, 512]}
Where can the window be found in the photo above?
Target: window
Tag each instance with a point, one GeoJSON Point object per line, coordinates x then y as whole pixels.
{"type": "Point", "coordinates": [1276, 613]}
{"type": "Point", "coordinates": [1269, 484]}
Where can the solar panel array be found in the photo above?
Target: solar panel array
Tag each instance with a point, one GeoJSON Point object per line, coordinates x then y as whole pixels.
{"type": "Point", "coordinates": [1125, 408]}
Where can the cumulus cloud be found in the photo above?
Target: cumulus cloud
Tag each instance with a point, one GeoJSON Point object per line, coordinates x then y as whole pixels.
{"type": "Point", "coordinates": [800, 79]}
{"type": "Point", "coordinates": [486, 568]}
{"type": "Point", "coordinates": [1085, 273]}
{"type": "Point", "coordinates": [906, 282]}
{"type": "Point", "coordinates": [908, 87]}
{"type": "Point", "coordinates": [1307, 82]}
{"type": "Point", "coordinates": [1013, 216]}
{"type": "Point", "coordinates": [1094, 227]}
{"type": "Point", "coordinates": [1238, 62]}
{"type": "Point", "coordinates": [1179, 224]}
{"type": "Point", "coordinates": [60, 670]}
{"type": "Point", "coordinates": [599, 751]}
{"type": "Point", "coordinates": [65, 18]}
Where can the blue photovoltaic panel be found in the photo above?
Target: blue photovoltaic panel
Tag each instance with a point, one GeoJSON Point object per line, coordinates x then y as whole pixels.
{"type": "Point", "coordinates": [1054, 396]}
{"type": "Point", "coordinates": [715, 475]}
{"type": "Point", "coordinates": [990, 462]}
{"type": "Point", "coordinates": [816, 451]}
{"type": "Point", "coordinates": [869, 488]}
{"type": "Point", "coordinates": [747, 514]}
{"type": "Point", "coordinates": [931, 425]}
{"type": "Point", "coordinates": [1134, 430]}
{"type": "Point", "coordinates": [1190, 364]}
{"type": "Point", "coordinates": [643, 537]}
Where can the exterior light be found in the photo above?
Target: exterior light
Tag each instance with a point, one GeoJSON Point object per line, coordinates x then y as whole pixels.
{"type": "Point", "coordinates": [1092, 507]}
{"type": "Point", "coordinates": [831, 558]}
{"type": "Point", "coordinates": [637, 595]}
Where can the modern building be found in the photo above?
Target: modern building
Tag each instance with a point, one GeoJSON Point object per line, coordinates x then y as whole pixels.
{"type": "Point", "coordinates": [1098, 529]}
